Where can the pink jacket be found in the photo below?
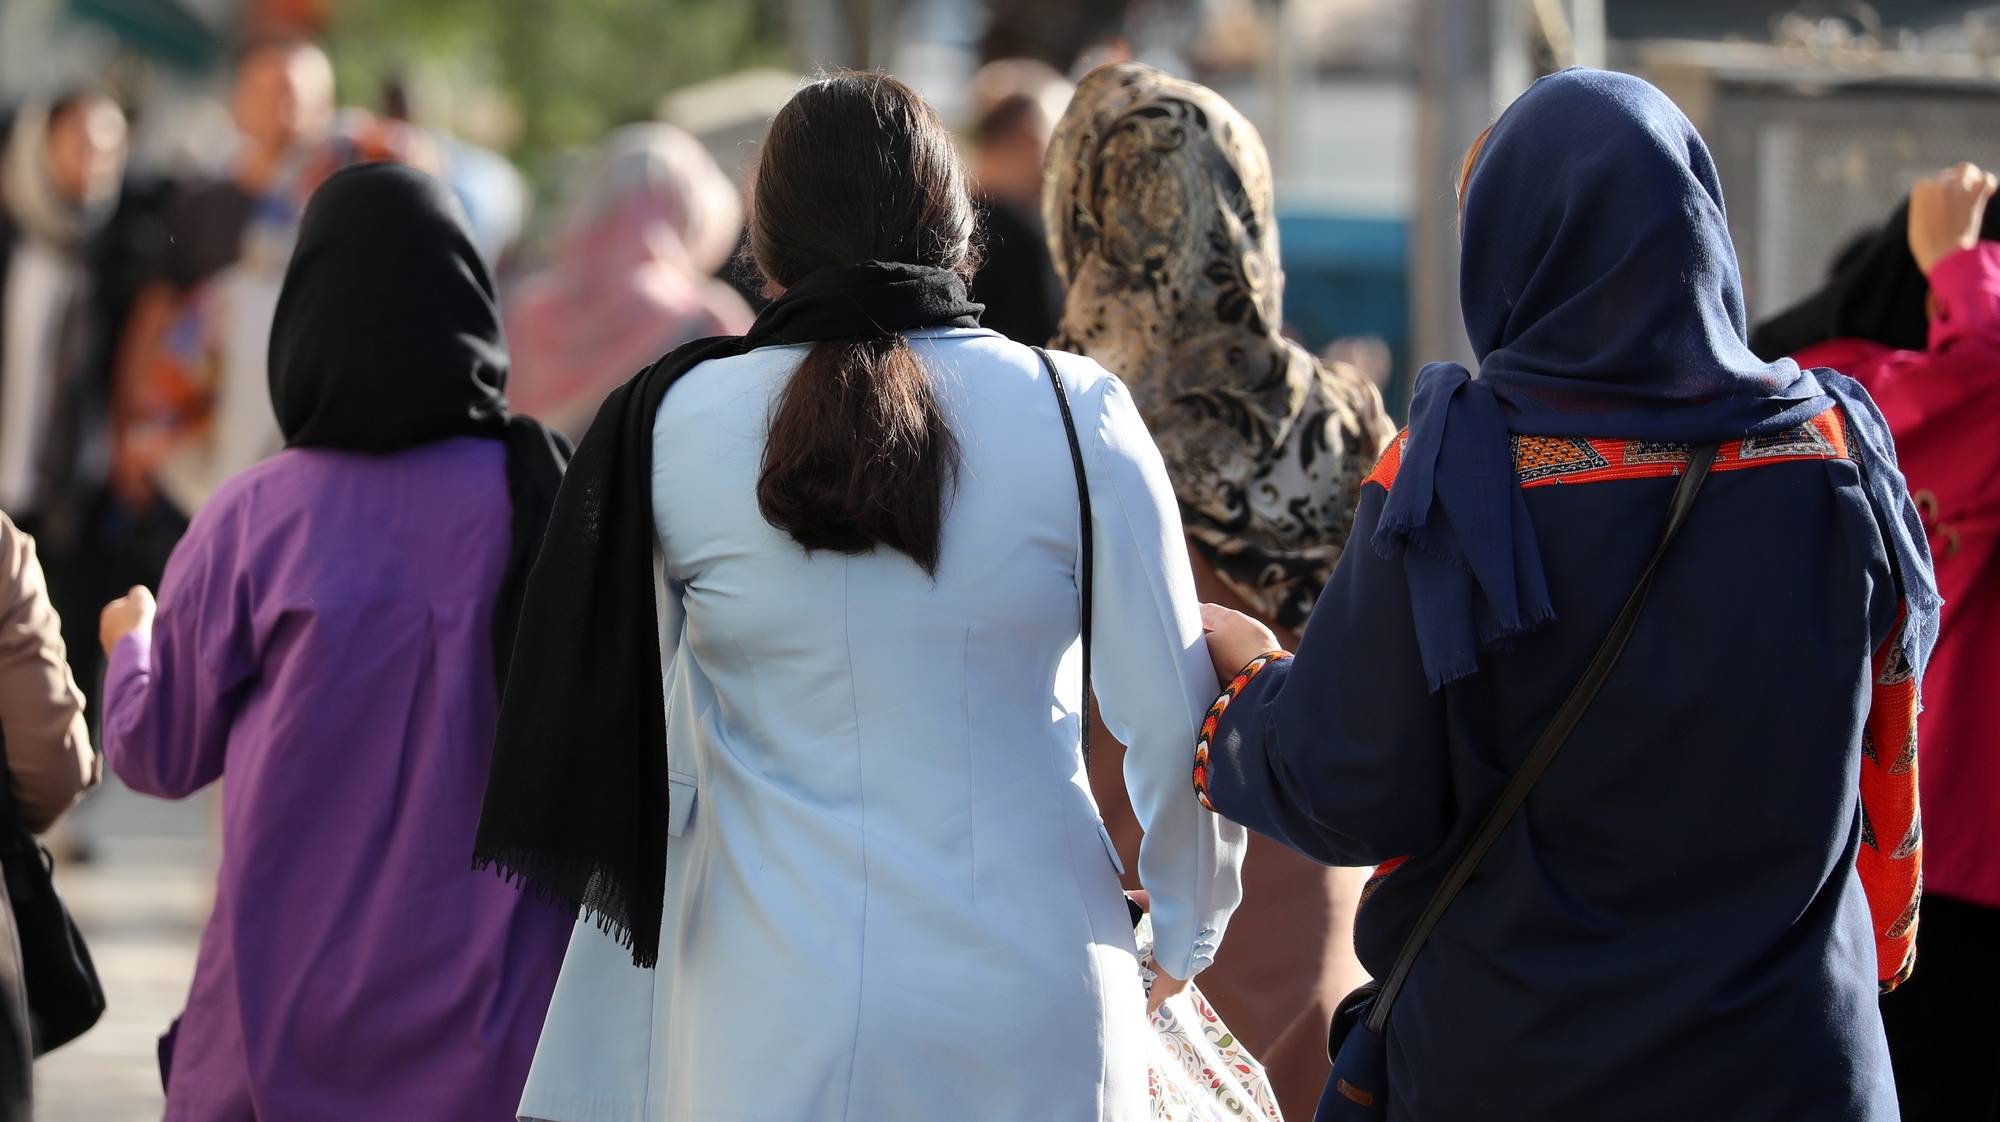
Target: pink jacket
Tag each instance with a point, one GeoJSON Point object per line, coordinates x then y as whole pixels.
{"type": "Point", "coordinates": [1944, 406]}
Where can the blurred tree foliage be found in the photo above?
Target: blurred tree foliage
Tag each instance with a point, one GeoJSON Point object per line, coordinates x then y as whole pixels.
{"type": "Point", "coordinates": [570, 69]}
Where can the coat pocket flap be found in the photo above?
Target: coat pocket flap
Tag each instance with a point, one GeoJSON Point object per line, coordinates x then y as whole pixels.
{"type": "Point", "coordinates": [681, 793]}
{"type": "Point", "coordinates": [1111, 848]}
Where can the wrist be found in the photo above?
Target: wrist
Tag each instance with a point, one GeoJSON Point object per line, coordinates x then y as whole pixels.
{"type": "Point", "coordinates": [1954, 261]}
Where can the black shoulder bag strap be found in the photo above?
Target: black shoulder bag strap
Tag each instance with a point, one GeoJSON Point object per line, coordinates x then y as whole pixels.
{"type": "Point", "coordinates": [1545, 749]}
{"type": "Point", "coordinates": [1083, 514]}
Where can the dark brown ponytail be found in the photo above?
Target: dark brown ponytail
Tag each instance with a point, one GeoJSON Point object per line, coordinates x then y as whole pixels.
{"type": "Point", "coordinates": [858, 168]}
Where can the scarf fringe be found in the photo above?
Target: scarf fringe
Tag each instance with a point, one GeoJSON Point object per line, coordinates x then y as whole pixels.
{"type": "Point", "coordinates": [1499, 640]}
{"type": "Point", "coordinates": [1507, 635]}
{"type": "Point", "coordinates": [541, 876]}
{"type": "Point", "coordinates": [1395, 538]}
{"type": "Point", "coordinates": [1439, 679]}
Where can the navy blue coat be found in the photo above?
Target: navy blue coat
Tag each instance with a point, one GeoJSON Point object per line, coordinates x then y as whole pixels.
{"type": "Point", "coordinates": [1673, 927]}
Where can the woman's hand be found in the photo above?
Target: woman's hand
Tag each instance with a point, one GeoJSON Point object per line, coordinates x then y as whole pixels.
{"type": "Point", "coordinates": [130, 612]}
{"type": "Point", "coordinates": [1234, 639]}
{"type": "Point", "coordinates": [1946, 211]}
{"type": "Point", "coordinates": [1165, 986]}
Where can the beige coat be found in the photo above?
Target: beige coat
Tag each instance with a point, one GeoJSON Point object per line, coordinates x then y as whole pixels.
{"type": "Point", "coordinates": [49, 765]}
{"type": "Point", "coordinates": [49, 758]}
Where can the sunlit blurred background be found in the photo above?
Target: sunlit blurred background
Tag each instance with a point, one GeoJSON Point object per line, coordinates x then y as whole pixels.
{"type": "Point", "coordinates": [1819, 113]}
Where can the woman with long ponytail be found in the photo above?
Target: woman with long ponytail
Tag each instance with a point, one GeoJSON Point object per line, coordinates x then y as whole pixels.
{"type": "Point", "coordinates": [795, 711]}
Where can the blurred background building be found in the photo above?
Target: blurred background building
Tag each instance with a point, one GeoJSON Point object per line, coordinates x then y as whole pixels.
{"type": "Point", "coordinates": [1819, 111]}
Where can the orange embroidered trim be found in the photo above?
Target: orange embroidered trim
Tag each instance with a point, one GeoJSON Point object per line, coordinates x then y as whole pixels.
{"type": "Point", "coordinates": [1890, 860]}
{"type": "Point", "coordinates": [1376, 878]}
{"type": "Point", "coordinates": [1214, 718]}
{"type": "Point", "coordinates": [1542, 461]}
{"type": "Point", "coordinates": [1391, 462]}
{"type": "Point", "coordinates": [1902, 975]}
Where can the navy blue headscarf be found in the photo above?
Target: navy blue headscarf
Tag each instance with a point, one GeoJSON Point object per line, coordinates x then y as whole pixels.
{"type": "Point", "coordinates": [1600, 292]}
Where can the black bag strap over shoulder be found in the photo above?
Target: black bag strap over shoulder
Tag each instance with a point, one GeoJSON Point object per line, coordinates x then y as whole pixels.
{"type": "Point", "coordinates": [1083, 514]}
{"type": "Point", "coordinates": [1544, 752]}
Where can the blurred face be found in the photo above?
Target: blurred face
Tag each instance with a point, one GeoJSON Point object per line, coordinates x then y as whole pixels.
{"type": "Point", "coordinates": [284, 96]}
{"type": "Point", "coordinates": [87, 150]}
{"type": "Point", "coordinates": [1010, 166]}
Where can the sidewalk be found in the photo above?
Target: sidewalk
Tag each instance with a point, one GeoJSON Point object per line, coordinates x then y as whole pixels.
{"type": "Point", "coordinates": [141, 905]}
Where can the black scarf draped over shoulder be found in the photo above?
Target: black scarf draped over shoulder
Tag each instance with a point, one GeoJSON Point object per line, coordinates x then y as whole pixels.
{"type": "Point", "coordinates": [576, 803]}
{"type": "Point", "coordinates": [387, 336]}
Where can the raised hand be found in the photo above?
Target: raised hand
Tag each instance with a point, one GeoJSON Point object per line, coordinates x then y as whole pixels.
{"type": "Point", "coordinates": [1946, 210]}
{"type": "Point", "coordinates": [130, 612]}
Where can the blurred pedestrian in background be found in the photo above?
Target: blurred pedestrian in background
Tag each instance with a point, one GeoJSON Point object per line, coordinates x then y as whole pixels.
{"type": "Point", "coordinates": [489, 187]}
{"type": "Point", "coordinates": [807, 615]}
{"type": "Point", "coordinates": [1912, 311]}
{"type": "Point", "coordinates": [1694, 910]}
{"type": "Point", "coordinates": [648, 221]}
{"type": "Point", "coordinates": [1161, 209]}
{"type": "Point", "coordinates": [329, 638]}
{"type": "Point", "coordinates": [49, 765]}
{"type": "Point", "coordinates": [729, 116]}
{"type": "Point", "coordinates": [61, 165]}
{"type": "Point", "coordinates": [61, 162]}
{"type": "Point", "coordinates": [193, 408]}
{"type": "Point", "coordinates": [1018, 101]}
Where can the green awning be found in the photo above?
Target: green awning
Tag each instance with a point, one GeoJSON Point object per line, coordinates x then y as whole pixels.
{"type": "Point", "coordinates": [160, 29]}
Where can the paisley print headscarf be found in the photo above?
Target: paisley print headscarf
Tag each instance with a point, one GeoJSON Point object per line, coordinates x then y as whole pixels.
{"type": "Point", "coordinates": [1160, 219]}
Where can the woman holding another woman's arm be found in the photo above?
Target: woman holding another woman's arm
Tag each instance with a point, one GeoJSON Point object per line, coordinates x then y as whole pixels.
{"type": "Point", "coordinates": [1161, 213]}
{"type": "Point", "coordinates": [1695, 908]}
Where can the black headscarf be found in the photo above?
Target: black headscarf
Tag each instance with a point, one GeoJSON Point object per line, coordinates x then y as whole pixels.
{"type": "Point", "coordinates": [576, 802]}
{"type": "Point", "coordinates": [1874, 291]}
{"type": "Point", "coordinates": [387, 336]}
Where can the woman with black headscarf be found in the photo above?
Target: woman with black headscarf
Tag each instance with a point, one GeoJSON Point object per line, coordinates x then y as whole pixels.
{"type": "Point", "coordinates": [330, 635]}
{"type": "Point", "coordinates": [1912, 311]}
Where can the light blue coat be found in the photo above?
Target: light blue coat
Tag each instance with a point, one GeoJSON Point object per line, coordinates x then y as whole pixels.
{"type": "Point", "coordinates": [889, 894]}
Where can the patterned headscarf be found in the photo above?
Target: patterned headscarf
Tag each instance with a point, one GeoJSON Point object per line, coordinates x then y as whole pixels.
{"type": "Point", "coordinates": [1160, 219]}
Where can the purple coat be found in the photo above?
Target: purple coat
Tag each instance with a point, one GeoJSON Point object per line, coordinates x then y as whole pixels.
{"type": "Point", "coordinates": [324, 641]}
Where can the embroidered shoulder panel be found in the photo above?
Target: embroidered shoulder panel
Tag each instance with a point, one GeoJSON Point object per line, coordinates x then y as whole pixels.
{"type": "Point", "coordinates": [1540, 461]}
{"type": "Point", "coordinates": [1384, 474]}
{"type": "Point", "coordinates": [1544, 460]}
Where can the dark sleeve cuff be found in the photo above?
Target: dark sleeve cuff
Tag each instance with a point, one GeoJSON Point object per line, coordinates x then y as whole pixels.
{"type": "Point", "coordinates": [1213, 721]}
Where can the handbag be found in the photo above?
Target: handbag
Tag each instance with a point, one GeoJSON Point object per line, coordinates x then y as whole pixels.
{"type": "Point", "coordinates": [1356, 1040]}
{"type": "Point", "coordinates": [64, 996]}
{"type": "Point", "coordinates": [1199, 1072]}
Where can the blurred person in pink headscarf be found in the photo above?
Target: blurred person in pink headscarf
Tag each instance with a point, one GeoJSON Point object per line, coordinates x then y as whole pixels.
{"type": "Point", "coordinates": [649, 221]}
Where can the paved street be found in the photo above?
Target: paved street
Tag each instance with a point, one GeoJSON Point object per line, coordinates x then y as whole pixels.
{"type": "Point", "coordinates": [141, 905]}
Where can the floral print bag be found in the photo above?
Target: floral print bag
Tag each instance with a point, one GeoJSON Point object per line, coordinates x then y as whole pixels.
{"type": "Point", "coordinates": [1200, 1072]}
